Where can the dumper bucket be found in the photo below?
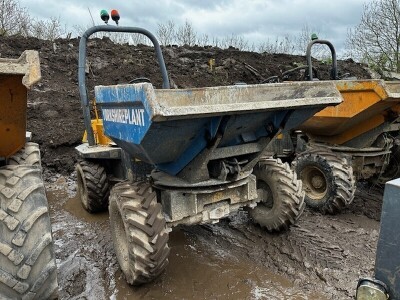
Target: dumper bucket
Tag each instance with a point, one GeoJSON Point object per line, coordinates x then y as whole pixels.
{"type": "Point", "coordinates": [169, 128]}
{"type": "Point", "coordinates": [367, 105]}
{"type": "Point", "coordinates": [16, 76]}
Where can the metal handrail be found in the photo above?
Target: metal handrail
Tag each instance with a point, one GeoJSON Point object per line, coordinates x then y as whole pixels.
{"type": "Point", "coordinates": [82, 63]}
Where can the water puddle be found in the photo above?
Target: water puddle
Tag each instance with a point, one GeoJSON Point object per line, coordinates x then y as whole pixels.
{"type": "Point", "coordinates": [196, 272]}
{"type": "Point", "coordinates": [74, 207]}
{"type": "Point", "coordinates": [197, 269]}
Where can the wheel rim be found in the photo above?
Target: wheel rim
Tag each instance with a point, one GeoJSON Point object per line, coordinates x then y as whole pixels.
{"type": "Point", "coordinates": [121, 241]}
{"type": "Point", "coordinates": [265, 194]}
{"type": "Point", "coordinates": [314, 183]}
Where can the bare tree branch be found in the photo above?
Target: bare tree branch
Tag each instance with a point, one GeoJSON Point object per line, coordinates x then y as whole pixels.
{"type": "Point", "coordinates": [376, 39]}
{"type": "Point", "coordinates": [14, 19]}
{"type": "Point", "coordinates": [166, 33]}
{"type": "Point", "coordinates": [47, 29]}
{"type": "Point", "coordinates": [186, 35]}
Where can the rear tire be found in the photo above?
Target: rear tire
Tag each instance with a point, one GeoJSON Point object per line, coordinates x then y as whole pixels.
{"type": "Point", "coordinates": [328, 180]}
{"type": "Point", "coordinates": [392, 171]}
{"type": "Point", "coordinates": [29, 155]}
{"type": "Point", "coordinates": [139, 231]}
{"type": "Point", "coordinates": [93, 186]}
{"type": "Point", "coordinates": [27, 261]}
{"type": "Point", "coordinates": [282, 197]}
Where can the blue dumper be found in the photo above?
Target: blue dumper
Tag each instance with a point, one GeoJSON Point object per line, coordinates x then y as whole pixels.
{"type": "Point", "coordinates": [205, 153]}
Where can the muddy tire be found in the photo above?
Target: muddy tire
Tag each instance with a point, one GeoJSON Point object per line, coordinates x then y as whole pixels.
{"type": "Point", "coordinates": [327, 178]}
{"type": "Point", "coordinates": [139, 231]}
{"type": "Point", "coordinates": [29, 155]}
{"type": "Point", "coordinates": [282, 197]}
{"type": "Point", "coordinates": [27, 261]}
{"type": "Point", "coordinates": [93, 186]}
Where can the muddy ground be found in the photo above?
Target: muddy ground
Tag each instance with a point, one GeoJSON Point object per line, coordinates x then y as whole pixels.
{"type": "Point", "coordinates": [322, 257]}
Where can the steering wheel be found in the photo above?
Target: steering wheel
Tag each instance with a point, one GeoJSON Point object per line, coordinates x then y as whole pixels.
{"type": "Point", "coordinates": [139, 79]}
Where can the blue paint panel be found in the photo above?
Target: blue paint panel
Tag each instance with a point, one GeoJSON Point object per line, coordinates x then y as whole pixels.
{"type": "Point", "coordinates": [172, 144]}
{"type": "Point", "coordinates": [120, 94]}
{"type": "Point", "coordinates": [198, 144]}
{"type": "Point", "coordinates": [188, 155]}
{"type": "Point", "coordinates": [129, 122]}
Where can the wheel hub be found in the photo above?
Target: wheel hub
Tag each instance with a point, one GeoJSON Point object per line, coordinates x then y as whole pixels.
{"type": "Point", "coordinates": [314, 182]}
{"type": "Point", "coordinates": [265, 194]}
{"type": "Point", "coordinates": [317, 181]}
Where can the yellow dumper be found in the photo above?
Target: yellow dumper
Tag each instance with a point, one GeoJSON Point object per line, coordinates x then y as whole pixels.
{"type": "Point", "coordinates": [27, 261]}
{"type": "Point", "coordinates": [357, 139]}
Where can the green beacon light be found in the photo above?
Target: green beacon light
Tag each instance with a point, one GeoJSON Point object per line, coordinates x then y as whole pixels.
{"type": "Point", "coordinates": [314, 36]}
{"type": "Point", "coordinates": [104, 16]}
{"type": "Point", "coordinates": [115, 15]}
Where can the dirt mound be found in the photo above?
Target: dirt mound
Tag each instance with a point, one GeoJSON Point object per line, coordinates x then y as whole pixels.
{"type": "Point", "coordinates": [54, 113]}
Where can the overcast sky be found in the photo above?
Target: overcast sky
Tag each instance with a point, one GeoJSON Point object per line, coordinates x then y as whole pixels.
{"type": "Point", "coordinates": [256, 20]}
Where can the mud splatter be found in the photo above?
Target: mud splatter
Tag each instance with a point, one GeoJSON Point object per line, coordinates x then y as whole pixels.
{"type": "Point", "coordinates": [322, 257]}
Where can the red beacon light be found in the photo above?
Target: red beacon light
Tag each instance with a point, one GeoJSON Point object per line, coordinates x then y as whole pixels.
{"type": "Point", "coordinates": [115, 16]}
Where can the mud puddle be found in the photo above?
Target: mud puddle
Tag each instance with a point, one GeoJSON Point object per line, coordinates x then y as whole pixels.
{"type": "Point", "coordinates": [200, 272]}
{"type": "Point", "coordinates": [200, 267]}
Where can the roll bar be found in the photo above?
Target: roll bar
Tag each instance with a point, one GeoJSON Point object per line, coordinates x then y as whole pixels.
{"type": "Point", "coordinates": [334, 72]}
{"type": "Point", "coordinates": [82, 63]}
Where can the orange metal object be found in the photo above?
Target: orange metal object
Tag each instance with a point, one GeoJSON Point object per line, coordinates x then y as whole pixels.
{"type": "Point", "coordinates": [16, 76]}
{"type": "Point", "coordinates": [12, 114]}
{"type": "Point", "coordinates": [366, 105]}
{"type": "Point", "coordinates": [98, 131]}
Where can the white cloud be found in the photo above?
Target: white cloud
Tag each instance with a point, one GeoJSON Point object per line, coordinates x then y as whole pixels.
{"type": "Point", "coordinates": [255, 19]}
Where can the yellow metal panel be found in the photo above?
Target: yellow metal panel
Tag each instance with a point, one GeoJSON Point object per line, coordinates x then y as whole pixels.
{"type": "Point", "coordinates": [98, 131]}
{"type": "Point", "coordinates": [358, 96]}
{"type": "Point", "coordinates": [365, 105]}
{"type": "Point", "coordinates": [355, 131]}
{"type": "Point", "coordinates": [13, 102]}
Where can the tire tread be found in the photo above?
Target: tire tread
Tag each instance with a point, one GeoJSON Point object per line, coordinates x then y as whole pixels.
{"type": "Point", "coordinates": [148, 245]}
{"type": "Point", "coordinates": [342, 172]}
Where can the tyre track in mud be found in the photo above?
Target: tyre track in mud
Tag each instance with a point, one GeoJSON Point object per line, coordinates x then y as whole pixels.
{"type": "Point", "coordinates": [86, 260]}
{"type": "Point", "coordinates": [322, 257]}
{"type": "Point", "coordinates": [321, 253]}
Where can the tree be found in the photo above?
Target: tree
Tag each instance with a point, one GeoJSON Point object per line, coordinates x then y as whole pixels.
{"type": "Point", "coordinates": [203, 40]}
{"type": "Point", "coordinates": [376, 39]}
{"type": "Point", "coordinates": [47, 29]}
{"type": "Point", "coordinates": [186, 35]}
{"type": "Point", "coordinates": [283, 44]}
{"type": "Point", "coordinates": [14, 19]}
{"type": "Point", "coordinates": [166, 32]}
{"type": "Point", "coordinates": [236, 41]}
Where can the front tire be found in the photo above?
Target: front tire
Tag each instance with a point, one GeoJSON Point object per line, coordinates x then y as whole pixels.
{"type": "Point", "coordinates": [282, 198]}
{"type": "Point", "coordinates": [27, 261]}
{"type": "Point", "coordinates": [93, 186]}
{"type": "Point", "coordinates": [139, 231]}
{"type": "Point", "coordinates": [328, 180]}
